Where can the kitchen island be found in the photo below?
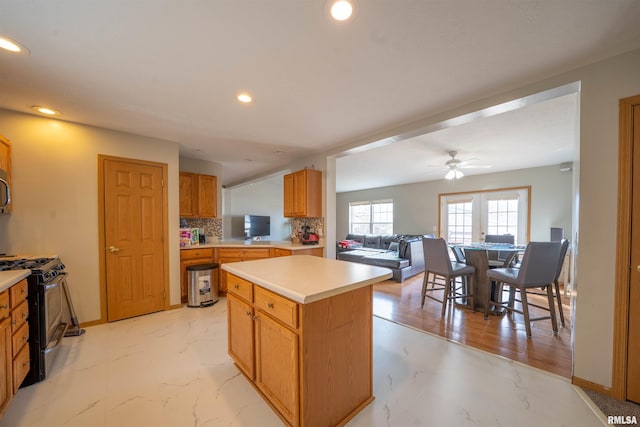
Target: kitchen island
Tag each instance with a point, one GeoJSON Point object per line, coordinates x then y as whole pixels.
{"type": "Point", "coordinates": [300, 329]}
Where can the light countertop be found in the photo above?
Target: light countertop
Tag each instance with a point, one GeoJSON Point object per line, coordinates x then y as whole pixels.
{"type": "Point", "coordinates": [306, 278]}
{"type": "Point", "coordinates": [9, 278]}
{"type": "Point", "coordinates": [255, 244]}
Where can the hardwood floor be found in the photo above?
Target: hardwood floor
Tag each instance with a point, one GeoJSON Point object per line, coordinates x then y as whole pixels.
{"type": "Point", "coordinates": [502, 335]}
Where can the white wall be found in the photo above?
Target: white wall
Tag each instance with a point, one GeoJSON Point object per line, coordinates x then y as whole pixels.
{"type": "Point", "coordinates": [263, 197]}
{"type": "Point", "coordinates": [415, 206]}
{"type": "Point", "coordinates": [55, 188]}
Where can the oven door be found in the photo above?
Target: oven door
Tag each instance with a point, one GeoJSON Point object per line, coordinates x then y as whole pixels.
{"type": "Point", "coordinates": [52, 309]}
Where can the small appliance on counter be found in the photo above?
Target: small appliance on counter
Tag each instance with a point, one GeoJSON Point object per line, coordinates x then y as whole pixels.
{"type": "Point", "coordinates": [309, 238]}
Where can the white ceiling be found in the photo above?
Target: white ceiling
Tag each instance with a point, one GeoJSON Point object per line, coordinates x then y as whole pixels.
{"type": "Point", "coordinates": [172, 69]}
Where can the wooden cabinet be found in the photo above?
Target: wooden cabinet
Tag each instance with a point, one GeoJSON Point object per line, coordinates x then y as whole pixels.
{"type": "Point", "coordinates": [303, 194]}
{"type": "Point", "coordinates": [5, 164]}
{"type": "Point", "coordinates": [19, 332]}
{"type": "Point", "coordinates": [198, 195]}
{"type": "Point", "coordinates": [288, 252]}
{"type": "Point", "coordinates": [14, 337]}
{"type": "Point", "coordinates": [311, 362]}
{"type": "Point", "coordinates": [193, 257]}
{"type": "Point", "coordinates": [225, 255]}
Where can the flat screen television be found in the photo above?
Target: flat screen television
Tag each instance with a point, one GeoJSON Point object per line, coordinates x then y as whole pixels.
{"type": "Point", "coordinates": [256, 226]}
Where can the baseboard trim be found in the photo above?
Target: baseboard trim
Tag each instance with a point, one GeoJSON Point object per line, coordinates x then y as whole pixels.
{"type": "Point", "coordinates": [589, 385]}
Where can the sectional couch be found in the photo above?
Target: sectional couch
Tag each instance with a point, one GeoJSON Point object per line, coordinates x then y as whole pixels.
{"type": "Point", "coordinates": [403, 254]}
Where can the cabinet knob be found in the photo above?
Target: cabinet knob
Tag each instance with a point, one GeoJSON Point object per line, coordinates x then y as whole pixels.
{"type": "Point", "coordinates": [236, 286]}
{"type": "Point", "coordinates": [248, 313]}
{"type": "Point", "coordinates": [4, 306]}
{"type": "Point", "coordinates": [255, 317]}
{"type": "Point", "coordinates": [25, 364]}
{"type": "Point", "coordinates": [25, 338]}
{"type": "Point", "coordinates": [270, 304]}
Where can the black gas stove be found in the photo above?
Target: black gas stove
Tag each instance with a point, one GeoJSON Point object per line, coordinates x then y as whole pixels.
{"type": "Point", "coordinates": [51, 314]}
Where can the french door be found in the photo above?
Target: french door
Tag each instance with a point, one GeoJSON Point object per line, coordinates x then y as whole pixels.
{"type": "Point", "coordinates": [468, 217]}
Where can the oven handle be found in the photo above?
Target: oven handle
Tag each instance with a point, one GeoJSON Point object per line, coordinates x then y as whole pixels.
{"type": "Point", "coordinates": [57, 281]}
{"type": "Point", "coordinates": [57, 337]}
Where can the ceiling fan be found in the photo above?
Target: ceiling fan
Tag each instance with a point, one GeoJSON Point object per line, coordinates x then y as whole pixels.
{"type": "Point", "coordinates": [454, 165]}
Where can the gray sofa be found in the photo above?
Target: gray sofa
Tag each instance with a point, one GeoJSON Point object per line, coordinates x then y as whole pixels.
{"type": "Point", "coordinates": [403, 254]}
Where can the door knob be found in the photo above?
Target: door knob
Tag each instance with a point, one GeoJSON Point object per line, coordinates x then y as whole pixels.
{"type": "Point", "coordinates": [638, 268]}
{"type": "Point", "coordinates": [113, 249]}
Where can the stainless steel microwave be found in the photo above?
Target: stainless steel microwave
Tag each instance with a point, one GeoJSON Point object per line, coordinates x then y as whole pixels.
{"type": "Point", "coordinates": [5, 192]}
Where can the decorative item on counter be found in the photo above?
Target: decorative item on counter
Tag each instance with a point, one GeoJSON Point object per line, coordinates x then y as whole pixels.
{"type": "Point", "coordinates": [189, 237]}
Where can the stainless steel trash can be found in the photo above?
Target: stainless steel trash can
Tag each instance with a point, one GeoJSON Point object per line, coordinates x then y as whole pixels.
{"type": "Point", "coordinates": [201, 288]}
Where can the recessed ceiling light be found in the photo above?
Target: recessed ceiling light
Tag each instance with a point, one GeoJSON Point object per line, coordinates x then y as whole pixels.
{"type": "Point", "coordinates": [46, 110]}
{"type": "Point", "coordinates": [342, 10]}
{"type": "Point", "coordinates": [245, 98]}
{"type": "Point", "coordinates": [12, 46]}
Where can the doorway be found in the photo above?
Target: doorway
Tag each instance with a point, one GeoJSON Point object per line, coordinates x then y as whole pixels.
{"type": "Point", "coordinates": [626, 361]}
{"type": "Point", "coordinates": [133, 225]}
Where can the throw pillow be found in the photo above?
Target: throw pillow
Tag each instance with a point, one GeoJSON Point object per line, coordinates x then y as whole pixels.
{"type": "Point", "coordinates": [393, 246]}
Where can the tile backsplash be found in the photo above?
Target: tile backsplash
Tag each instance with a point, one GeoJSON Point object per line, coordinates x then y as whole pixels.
{"type": "Point", "coordinates": [316, 224]}
{"type": "Point", "coordinates": [212, 226]}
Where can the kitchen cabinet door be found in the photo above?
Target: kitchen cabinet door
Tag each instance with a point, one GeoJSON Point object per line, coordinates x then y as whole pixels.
{"type": "Point", "coordinates": [303, 194]}
{"type": "Point", "coordinates": [276, 358]}
{"type": "Point", "coordinates": [5, 164]}
{"type": "Point", "coordinates": [6, 363]}
{"type": "Point", "coordinates": [207, 196]}
{"type": "Point", "coordinates": [240, 335]}
{"type": "Point", "coordinates": [188, 194]}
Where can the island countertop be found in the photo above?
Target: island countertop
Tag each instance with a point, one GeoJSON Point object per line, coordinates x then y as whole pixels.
{"type": "Point", "coordinates": [305, 279]}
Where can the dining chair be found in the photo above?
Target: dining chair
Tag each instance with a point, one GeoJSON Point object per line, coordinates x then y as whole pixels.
{"type": "Point", "coordinates": [564, 245]}
{"type": "Point", "coordinates": [438, 264]}
{"type": "Point", "coordinates": [537, 270]}
{"type": "Point", "coordinates": [458, 253]}
{"type": "Point", "coordinates": [498, 259]}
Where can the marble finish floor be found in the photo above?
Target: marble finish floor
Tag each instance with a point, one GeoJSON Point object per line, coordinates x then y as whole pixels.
{"type": "Point", "coordinates": [171, 369]}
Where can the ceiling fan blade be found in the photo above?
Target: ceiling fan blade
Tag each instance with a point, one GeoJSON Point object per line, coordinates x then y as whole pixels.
{"type": "Point", "coordinates": [474, 166]}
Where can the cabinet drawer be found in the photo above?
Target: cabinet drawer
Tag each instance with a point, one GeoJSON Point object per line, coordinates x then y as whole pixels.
{"type": "Point", "coordinates": [19, 316]}
{"type": "Point", "coordinates": [196, 253]}
{"type": "Point", "coordinates": [281, 252]}
{"type": "Point", "coordinates": [239, 287]}
{"type": "Point", "coordinates": [4, 304]}
{"type": "Point", "coordinates": [280, 308]}
{"type": "Point", "coordinates": [20, 367]}
{"type": "Point", "coordinates": [255, 253]}
{"type": "Point", "coordinates": [20, 338]}
{"type": "Point", "coordinates": [18, 292]}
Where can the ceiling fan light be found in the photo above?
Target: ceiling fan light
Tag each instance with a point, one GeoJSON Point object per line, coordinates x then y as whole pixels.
{"type": "Point", "coordinates": [458, 174]}
{"type": "Point", "coordinates": [450, 175]}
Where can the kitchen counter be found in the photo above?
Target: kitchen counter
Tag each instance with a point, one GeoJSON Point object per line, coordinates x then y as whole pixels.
{"type": "Point", "coordinates": [305, 279]}
{"type": "Point", "coordinates": [284, 244]}
{"type": "Point", "coordinates": [300, 329]}
{"type": "Point", "coordinates": [9, 278]}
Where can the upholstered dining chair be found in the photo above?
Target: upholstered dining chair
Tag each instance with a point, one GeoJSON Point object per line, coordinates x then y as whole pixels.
{"type": "Point", "coordinates": [564, 245]}
{"type": "Point", "coordinates": [498, 258]}
{"type": "Point", "coordinates": [538, 270]}
{"type": "Point", "coordinates": [438, 264]}
{"type": "Point", "coordinates": [458, 253]}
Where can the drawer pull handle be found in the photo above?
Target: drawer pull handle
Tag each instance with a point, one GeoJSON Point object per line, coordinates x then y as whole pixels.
{"type": "Point", "coordinates": [23, 291]}
{"type": "Point", "coordinates": [255, 317]}
{"type": "Point", "coordinates": [4, 306]}
{"type": "Point", "coordinates": [270, 304]}
{"type": "Point", "coordinates": [248, 313]}
{"type": "Point", "coordinates": [236, 286]}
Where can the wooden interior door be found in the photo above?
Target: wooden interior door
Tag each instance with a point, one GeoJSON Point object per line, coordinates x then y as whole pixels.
{"type": "Point", "coordinates": [134, 237]}
{"type": "Point", "coordinates": [633, 349]}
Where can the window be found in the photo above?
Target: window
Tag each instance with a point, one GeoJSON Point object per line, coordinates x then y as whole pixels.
{"type": "Point", "coordinates": [468, 217]}
{"type": "Point", "coordinates": [459, 223]}
{"type": "Point", "coordinates": [502, 216]}
{"type": "Point", "coordinates": [371, 217]}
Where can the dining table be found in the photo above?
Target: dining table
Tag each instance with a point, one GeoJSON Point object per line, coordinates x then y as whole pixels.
{"type": "Point", "coordinates": [477, 255]}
